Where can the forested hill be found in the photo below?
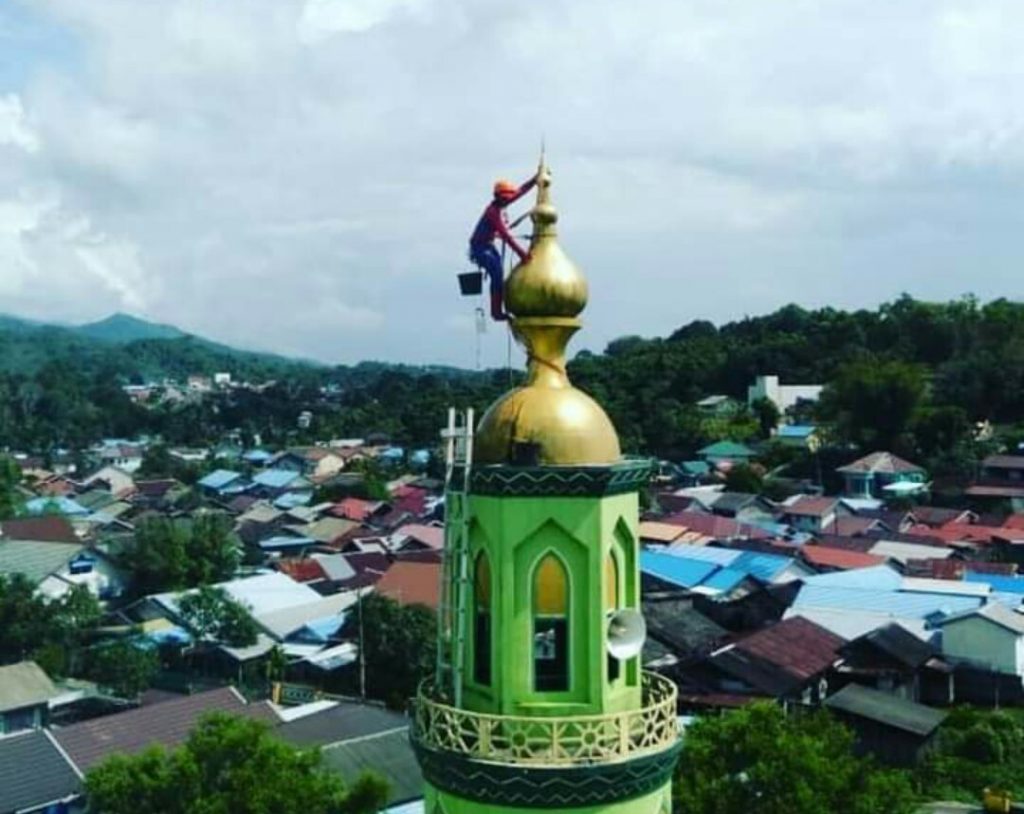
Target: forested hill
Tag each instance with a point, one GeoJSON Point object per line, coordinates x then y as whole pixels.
{"type": "Point", "coordinates": [131, 348]}
{"type": "Point", "coordinates": [959, 361]}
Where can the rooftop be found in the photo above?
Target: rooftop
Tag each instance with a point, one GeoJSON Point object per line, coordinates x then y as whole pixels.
{"type": "Point", "coordinates": [412, 583]}
{"type": "Point", "coordinates": [167, 723]}
{"type": "Point", "coordinates": [33, 772]}
{"type": "Point", "coordinates": [884, 463]}
{"type": "Point", "coordinates": [24, 685]}
{"type": "Point", "coordinates": [886, 709]}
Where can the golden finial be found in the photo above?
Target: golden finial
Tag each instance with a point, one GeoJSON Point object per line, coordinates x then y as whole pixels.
{"type": "Point", "coordinates": [544, 295]}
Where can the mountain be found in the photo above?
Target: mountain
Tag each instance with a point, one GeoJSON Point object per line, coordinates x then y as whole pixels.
{"type": "Point", "coordinates": [122, 328]}
{"type": "Point", "coordinates": [132, 347]}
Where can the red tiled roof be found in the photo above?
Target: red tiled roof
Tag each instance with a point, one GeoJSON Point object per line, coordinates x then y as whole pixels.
{"type": "Point", "coordinates": [711, 525]}
{"type": "Point", "coordinates": [167, 723]}
{"type": "Point", "coordinates": [429, 536]}
{"type": "Point", "coordinates": [795, 645]}
{"type": "Point", "coordinates": [47, 528]}
{"type": "Point", "coordinates": [1014, 521]}
{"type": "Point", "coordinates": [354, 508]}
{"type": "Point", "coordinates": [851, 526]}
{"type": "Point", "coordinates": [808, 506]}
{"type": "Point", "coordinates": [838, 558]}
{"type": "Point", "coordinates": [412, 583]}
{"type": "Point", "coordinates": [959, 532]}
{"type": "Point", "coordinates": [302, 570]}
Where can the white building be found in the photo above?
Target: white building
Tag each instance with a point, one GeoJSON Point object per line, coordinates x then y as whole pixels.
{"type": "Point", "coordinates": [784, 396]}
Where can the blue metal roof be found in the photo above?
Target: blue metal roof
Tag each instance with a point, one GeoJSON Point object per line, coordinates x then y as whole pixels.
{"type": "Point", "coordinates": [679, 571]}
{"type": "Point", "coordinates": [257, 456]}
{"type": "Point", "coordinates": [719, 556]}
{"type": "Point", "coordinates": [219, 478]}
{"type": "Point", "coordinates": [275, 478]}
{"type": "Point", "coordinates": [907, 604]}
{"type": "Point", "coordinates": [724, 579]}
{"type": "Point", "coordinates": [764, 567]}
{"type": "Point", "coordinates": [1010, 585]}
{"type": "Point", "coordinates": [289, 500]}
{"type": "Point", "coordinates": [796, 430]}
{"type": "Point", "coordinates": [286, 542]}
{"type": "Point", "coordinates": [56, 505]}
{"type": "Point", "coordinates": [875, 578]}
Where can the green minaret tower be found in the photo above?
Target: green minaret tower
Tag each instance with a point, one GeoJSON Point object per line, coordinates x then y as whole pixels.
{"type": "Point", "coordinates": [540, 701]}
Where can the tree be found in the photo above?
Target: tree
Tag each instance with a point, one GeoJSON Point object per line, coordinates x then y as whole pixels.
{"type": "Point", "coordinates": [228, 765]}
{"type": "Point", "coordinates": [398, 645]}
{"type": "Point", "coordinates": [874, 404]}
{"type": "Point", "coordinates": [47, 630]}
{"type": "Point", "coordinates": [125, 667]}
{"type": "Point", "coordinates": [767, 414]}
{"type": "Point", "coordinates": [761, 759]}
{"type": "Point", "coordinates": [10, 476]}
{"type": "Point", "coordinates": [166, 555]}
{"type": "Point", "coordinates": [745, 478]}
{"type": "Point", "coordinates": [212, 615]}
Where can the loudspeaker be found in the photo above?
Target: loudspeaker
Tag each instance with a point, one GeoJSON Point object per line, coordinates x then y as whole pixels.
{"type": "Point", "coordinates": [626, 633]}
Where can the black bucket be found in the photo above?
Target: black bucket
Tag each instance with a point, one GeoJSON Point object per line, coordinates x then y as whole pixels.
{"type": "Point", "coordinates": [471, 283]}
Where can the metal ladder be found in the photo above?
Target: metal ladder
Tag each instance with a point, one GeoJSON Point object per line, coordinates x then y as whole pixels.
{"type": "Point", "coordinates": [451, 621]}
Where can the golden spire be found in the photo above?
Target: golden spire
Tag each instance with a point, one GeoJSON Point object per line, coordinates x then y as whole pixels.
{"type": "Point", "coordinates": [547, 421]}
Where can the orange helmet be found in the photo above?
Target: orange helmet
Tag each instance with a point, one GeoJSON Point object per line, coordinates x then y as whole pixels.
{"type": "Point", "coordinates": [505, 189]}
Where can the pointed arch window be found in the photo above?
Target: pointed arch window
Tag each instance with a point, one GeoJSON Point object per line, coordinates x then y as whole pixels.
{"type": "Point", "coordinates": [550, 625]}
{"type": "Point", "coordinates": [482, 620]}
{"type": "Point", "coordinates": [612, 604]}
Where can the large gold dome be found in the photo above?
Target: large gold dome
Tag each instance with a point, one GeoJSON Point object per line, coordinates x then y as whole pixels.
{"type": "Point", "coordinates": [547, 421]}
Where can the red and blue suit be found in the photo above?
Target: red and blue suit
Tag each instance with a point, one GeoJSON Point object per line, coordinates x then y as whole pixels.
{"type": "Point", "coordinates": [483, 252]}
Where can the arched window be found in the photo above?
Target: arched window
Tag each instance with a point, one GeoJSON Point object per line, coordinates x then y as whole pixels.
{"type": "Point", "coordinates": [482, 620]}
{"type": "Point", "coordinates": [550, 625]}
{"type": "Point", "coordinates": [612, 604]}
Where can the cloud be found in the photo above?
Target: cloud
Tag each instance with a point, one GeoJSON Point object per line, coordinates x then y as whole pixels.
{"type": "Point", "coordinates": [301, 175]}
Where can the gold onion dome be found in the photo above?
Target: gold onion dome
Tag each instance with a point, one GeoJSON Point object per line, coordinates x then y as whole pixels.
{"type": "Point", "coordinates": [547, 421]}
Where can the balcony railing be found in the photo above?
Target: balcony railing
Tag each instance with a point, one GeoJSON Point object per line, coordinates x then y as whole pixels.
{"type": "Point", "coordinates": [574, 740]}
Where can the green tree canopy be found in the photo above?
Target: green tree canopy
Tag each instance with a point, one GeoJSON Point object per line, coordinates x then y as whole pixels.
{"type": "Point", "coordinates": [10, 477]}
{"type": "Point", "coordinates": [228, 766]}
{"type": "Point", "coordinates": [125, 667]}
{"type": "Point", "coordinates": [212, 615]}
{"type": "Point", "coordinates": [398, 645]}
{"type": "Point", "coordinates": [761, 759]}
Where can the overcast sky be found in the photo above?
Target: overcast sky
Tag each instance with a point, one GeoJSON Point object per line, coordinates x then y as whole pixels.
{"type": "Point", "coordinates": [301, 175]}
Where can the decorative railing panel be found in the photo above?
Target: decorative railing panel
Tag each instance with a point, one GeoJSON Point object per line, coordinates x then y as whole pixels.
{"type": "Point", "coordinates": [577, 740]}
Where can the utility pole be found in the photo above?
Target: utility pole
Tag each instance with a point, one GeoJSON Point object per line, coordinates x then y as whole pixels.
{"type": "Point", "coordinates": [362, 649]}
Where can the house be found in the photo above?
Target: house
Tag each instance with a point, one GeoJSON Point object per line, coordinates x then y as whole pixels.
{"type": "Point", "coordinates": [681, 630]}
{"type": "Point", "coordinates": [412, 583]}
{"type": "Point", "coordinates": [36, 777]}
{"type": "Point", "coordinates": [115, 480]}
{"type": "Point", "coordinates": [125, 456]}
{"type": "Point", "coordinates": [353, 738]}
{"type": "Point", "coordinates": [990, 636]}
{"type": "Point", "coordinates": [891, 659]}
{"type": "Point", "coordinates": [726, 452]}
{"type": "Point", "coordinates": [56, 505]}
{"type": "Point", "coordinates": [166, 724]}
{"type": "Point", "coordinates": [417, 537]}
{"type": "Point", "coordinates": [748, 508]}
{"type": "Point", "coordinates": [789, 661]}
{"type": "Point", "coordinates": [654, 533]}
{"type": "Point", "coordinates": [45, 528]}
{"type": "Point", "coordinates": [159, 494]}
{"type": "Point", "coordinates": [811, 514]}
{"type": "Point", "coordinates": [274, 482]}
{"type": "Point", "coordinates": [1001, 478]}
{"type": "Point", "coordinates": [801, 436]}
{"type": "Point", "coordinates": [882, 475]}
{"type": "Point", "coordinates": [718, 405]}
{"type": "Point", "coordinates": [896, 730]}
{"type": "Point", "coordinates": [355, 508]}
{"type": "Point", "coordinates": [825, 558]}
{"type": "Point", "coordinates": [25, 693]}
{"type": "Point", "coordinates": [36, 559]}
{"type": "Point", "coordinates": [222, 482]}
{"type": "Point", "coordinates": [783, 396]}
{"type": "Point", "coordinates": [316, 463]}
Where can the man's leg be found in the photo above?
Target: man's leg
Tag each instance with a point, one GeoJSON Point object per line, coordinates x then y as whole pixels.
{"type": "Point", "coordinates": [493, 268]}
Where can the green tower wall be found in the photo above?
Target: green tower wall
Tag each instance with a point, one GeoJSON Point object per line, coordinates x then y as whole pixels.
{"type": "Point", "coordinates": [657, 802]}
{"type": "Point", "coordinates": [515, 533]}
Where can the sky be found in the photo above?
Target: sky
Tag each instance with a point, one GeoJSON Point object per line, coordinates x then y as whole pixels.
{"type": "Point", "coordinates": [301, 176]}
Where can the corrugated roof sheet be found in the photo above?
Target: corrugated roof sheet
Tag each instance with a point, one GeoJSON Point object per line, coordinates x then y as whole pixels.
{"type": "Point", "coordinates": [36, 560]}
{"type": "Point", "coordinates": [218, 479]}
{"type": "Point", "coordinates": [880, 462]}
{"type": "Point", "coordinates": [886, 709]}
{"type": "Point", "coordinates": [680, 571]}
{"type": "Point", "coordinates": [48, 528]}
{"type": "Point", "coordinates": [889, 602]}
{"type": "Point", "coordinates": [1010, 585]}
{"type": "Point", "coordinates": [33, 772]}
{"type": "Point", "coordinates": [827, 557]}
{"type": "Point", "coordinates": [167, 723]}
{"type": "Point", "coordinates": [342, 722]}
{"type": "Point", "coordinates": [24, 685]}
{"type": "Point", "coordinates": [412, 583]}
{"type": "Point", "coordinates": [718, 556]}
{"type": "Point", "coordinates": [390, 754]}
{"type": "Point", "coordinates": [277, 478]}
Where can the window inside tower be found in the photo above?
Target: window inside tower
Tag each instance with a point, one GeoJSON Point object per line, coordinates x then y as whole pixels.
{"type": "Point", "coordinates": [550, 626]}
{"type": "Point", "coordinates": [482, 620]}
{"type": "Point", "coordinates": [611, 604]}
